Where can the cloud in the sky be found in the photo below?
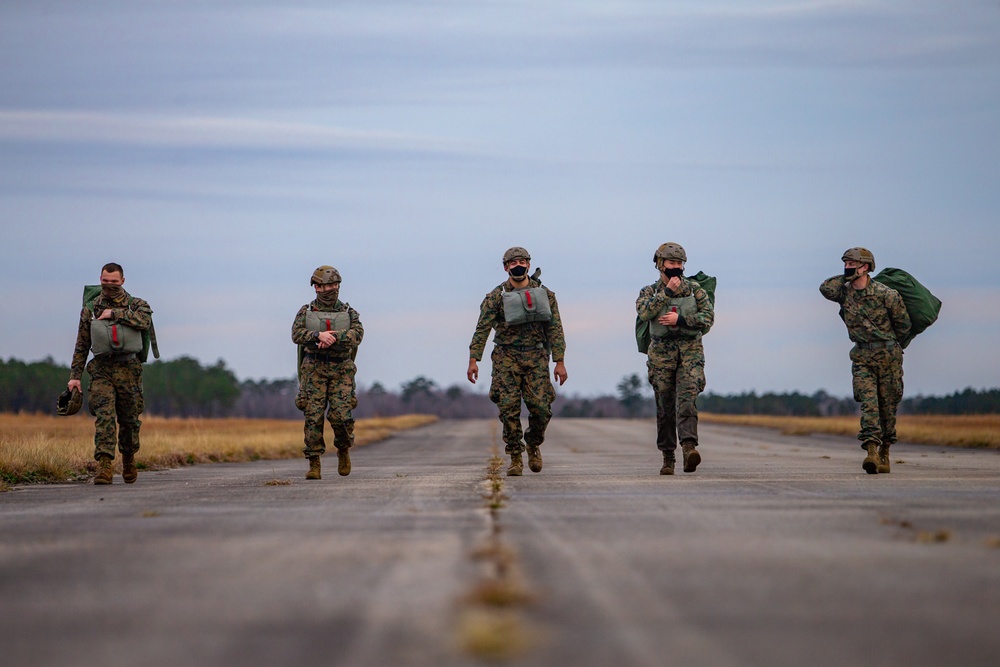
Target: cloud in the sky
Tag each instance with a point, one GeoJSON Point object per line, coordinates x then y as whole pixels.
{"type": "Point", "coordinates": [222, 150]}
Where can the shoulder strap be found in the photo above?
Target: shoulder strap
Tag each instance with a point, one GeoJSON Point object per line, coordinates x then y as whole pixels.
{"type": "Point", "coordinates": [152, 339]}
{"type": "Point", "coordinates": [152, 330]}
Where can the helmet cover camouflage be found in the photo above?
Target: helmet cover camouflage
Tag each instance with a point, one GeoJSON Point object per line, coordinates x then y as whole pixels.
{"type": "Point", "coordinates": [69, 403]}
{"type": "Point", "coordinates": [860, 255]}
{"type": "Point", "coordinates": [517, 252]}
{"type": "Point", "coordinates": [325, 275]}
{"type": "Point", "coordinates": [671, 251]}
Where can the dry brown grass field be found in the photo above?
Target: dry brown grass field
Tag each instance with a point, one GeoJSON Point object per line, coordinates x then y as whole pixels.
{"type": "Point", "coordinates": [39, 448]}
{"type": "Point", "coordinates": [979, 431]}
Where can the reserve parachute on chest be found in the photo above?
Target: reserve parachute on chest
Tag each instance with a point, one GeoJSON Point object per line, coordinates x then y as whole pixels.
{"type": "Point", "coordinates": [642, 328]}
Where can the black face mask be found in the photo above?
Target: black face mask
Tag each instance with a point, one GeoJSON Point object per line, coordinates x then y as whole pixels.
{"type": "Point", "coordinates": [518, 272]}
{"type": "Point", "coordinates": [849, 273]}
{"type": "Point", "coordinates": [673, 273]}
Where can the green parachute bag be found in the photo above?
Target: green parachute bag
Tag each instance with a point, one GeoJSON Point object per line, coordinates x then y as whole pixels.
{"type": "Point", "coordinates": [91, 292]}
{"type": "Point", "coordinates": [922, 306]}
{"type": "Point", "coordinates": [642, 335]}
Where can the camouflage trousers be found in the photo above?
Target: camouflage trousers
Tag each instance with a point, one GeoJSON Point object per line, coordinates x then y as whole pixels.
{"type": "Point", "coordinates": [677, 372]}
{"type": "Point", "coordinates": [522, 376]}
{"type": "Point", "coordinates": [327, 389]}
{"type": "Point", "coordinates": [115, 394]}
{"type": "Point", "coordinates": [878, 387]}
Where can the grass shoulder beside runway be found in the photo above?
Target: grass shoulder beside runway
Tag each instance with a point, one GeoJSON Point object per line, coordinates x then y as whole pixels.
{"type": "Point", "coordinates": [973, 431]}
{"type": "Point", "coordinates": [41, 448]}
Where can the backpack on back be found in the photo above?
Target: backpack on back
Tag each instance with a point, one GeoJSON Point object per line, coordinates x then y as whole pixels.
{"type": "Point", "coordinates": [922, 306]}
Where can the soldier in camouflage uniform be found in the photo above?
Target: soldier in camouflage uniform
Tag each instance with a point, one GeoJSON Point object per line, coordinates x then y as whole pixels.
{"type": "Point", "coordinates": [328, 332]}
{"type": "Point", "coordinates": [526, 333]}
{"type": "Point", "coordinates": [876, 320]}
{"type": "Point", "coordinates": [679, 312]}
{"type": "Point", "coordinates": [115, 377]}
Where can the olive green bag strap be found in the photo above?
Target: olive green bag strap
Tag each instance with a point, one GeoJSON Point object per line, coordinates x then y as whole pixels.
{"type": "Point", "coordinates": [152, 339]}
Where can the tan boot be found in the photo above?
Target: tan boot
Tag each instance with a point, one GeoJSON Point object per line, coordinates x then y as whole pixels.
{"type": "Point", "coordinates": [344, 462]}
{"type": "Point", "coordinates": [534, 459]}
{"type": "Point", "coordinates": [129, 472]}
{"type": "Point", "coordinates": [315, 469]}
{"type": "Point", "coordinates": [516, 468]}
{"type": "Point", "coordinates": [668, 464]}
{"type": "Point", "coordinates": [691, 458]}
{"type": "Point", "coordinates": [105, 470]}
{"type": "Point", "coordinates": [883, 460]}
{"type": "Point", "coordinates": [871, 461]}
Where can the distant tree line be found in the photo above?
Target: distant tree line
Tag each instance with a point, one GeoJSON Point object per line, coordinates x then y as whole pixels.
{"type": "Point", "coordinates": [178, 388]}
{"type": "Point", "coordinates": [31, 387]}
{"type": "Point", "coordinates": [965, 402]}
{"type": "Point", "coordinates": [794, 404]}
{"type": "Point", "coordinates": [183, 387]}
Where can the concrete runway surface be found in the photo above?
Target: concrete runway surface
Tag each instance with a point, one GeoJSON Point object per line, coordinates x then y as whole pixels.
{"type": "Point", "coordinates": [779, 550]}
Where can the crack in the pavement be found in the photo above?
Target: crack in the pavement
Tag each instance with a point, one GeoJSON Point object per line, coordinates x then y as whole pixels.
{"type": "Point", "coordinates": [491, 621]}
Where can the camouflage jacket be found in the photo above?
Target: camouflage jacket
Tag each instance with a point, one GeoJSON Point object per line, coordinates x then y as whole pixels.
{"type": "Point", "coordinates": [131, 311]}
{"type": "Point", "coordinates": [653, 299]}
{"type": "Point", "coordinates": [872, 314]}
{"type": "Point", "coordinates": [491, 317]}
{"type": "Point", "coordinates": [345, 343]}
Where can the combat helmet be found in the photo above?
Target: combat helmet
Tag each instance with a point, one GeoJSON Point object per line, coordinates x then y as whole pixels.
{"type": "Point", "coordinates": [325, 275]}
{"type": "Point", "coordinates": [860, 255]}
{"type": "Point", "coordinates": [69, 402]}
{"type": "Point", "coordinates": [517, 252]}
{"type": "Point", "coordinates": [672, 251]}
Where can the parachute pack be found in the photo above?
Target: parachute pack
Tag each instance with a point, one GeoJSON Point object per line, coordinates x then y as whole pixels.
{"type": "Point", "coordinates": [324, 321]}
{"type": "Point", "coordinates": [922, 306]}
{"type": "Point", "coordinates": [642, 335]}
{"type": "Point", "coordinates": [91, 292]}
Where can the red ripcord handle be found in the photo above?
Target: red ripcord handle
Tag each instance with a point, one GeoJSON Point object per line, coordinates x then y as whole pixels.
{"type": "Point", "coordinates": [114, 334]}
{"type": "Point", "coordinates": [528, 295]}
{"type": "Point", "coordinates": [327, 324]}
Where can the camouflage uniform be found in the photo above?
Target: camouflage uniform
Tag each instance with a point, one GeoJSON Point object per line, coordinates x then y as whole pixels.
{"type": "Point", "coordinates": [115, 379]}
{"type": "Point", "coordinates": [520, 361]}
{"type": "Point", "coordinates": [327, 380]}
{"type": "Point", "coordinates": [676, 363]}
{"type": "Point", "coordinates": [876, 319]}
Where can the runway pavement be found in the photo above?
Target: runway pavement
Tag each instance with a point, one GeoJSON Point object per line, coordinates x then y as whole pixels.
{"type": "Point", "coordinates": [778, 551]}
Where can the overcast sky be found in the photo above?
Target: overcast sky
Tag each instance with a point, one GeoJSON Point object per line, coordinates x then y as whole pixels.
{"type": "Point", "coordinates": [222, 150]}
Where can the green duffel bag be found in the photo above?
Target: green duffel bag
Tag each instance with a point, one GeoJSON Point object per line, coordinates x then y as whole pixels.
{"type": "Point", "coordinates": [922, 306]}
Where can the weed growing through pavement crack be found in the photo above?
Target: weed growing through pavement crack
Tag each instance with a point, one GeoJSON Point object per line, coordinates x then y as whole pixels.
{"type": "Point", "coordinates": [491, 624]}
{"type": "Point", "coordinates": [922, 536]}
{"type": "Point", "coordinates": [934, 536]}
